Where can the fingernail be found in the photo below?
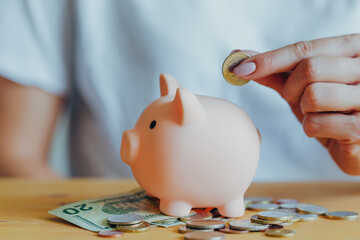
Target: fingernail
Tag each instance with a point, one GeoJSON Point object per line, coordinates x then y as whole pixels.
{"type": "Point", "coordinates": [244, 69]}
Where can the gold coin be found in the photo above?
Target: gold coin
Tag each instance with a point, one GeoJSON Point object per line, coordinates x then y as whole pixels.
{"type": "Point", "coordinates": [342, 215]}
{"type": "Point", "coordinates": [279, 233]}
{"type": "Point", "coordinates": [143, 227]}
{"type": "Point", "coordinates": [232, 61]}
{"type": "Point", "coordinates": [256, 219]}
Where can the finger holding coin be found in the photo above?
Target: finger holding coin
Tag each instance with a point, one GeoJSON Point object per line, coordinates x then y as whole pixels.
{"type": "Point", "coordinates": [230, 63]}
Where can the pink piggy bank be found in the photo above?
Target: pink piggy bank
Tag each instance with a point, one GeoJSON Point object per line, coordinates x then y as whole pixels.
{"type": "Point", "coordinates": [192, 151]}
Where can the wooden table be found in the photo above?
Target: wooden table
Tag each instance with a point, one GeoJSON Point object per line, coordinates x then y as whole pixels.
{"type": "Point", "coordinates": [24, 206]}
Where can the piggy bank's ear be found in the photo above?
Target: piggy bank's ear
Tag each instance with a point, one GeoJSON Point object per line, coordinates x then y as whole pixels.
{"type": "Point", "coordinates": [188, 108]}
{"type": "Point", "coordinates": [168, 85]}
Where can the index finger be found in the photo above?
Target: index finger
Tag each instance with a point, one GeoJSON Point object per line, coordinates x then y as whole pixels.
{"type": "Point", "coordinates": [287, 58]}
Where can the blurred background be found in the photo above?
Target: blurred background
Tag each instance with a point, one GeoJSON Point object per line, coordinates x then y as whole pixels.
{"type": "Point", "coordinates": [59, 159]}
{"type": "Point", "coordinates": [105, 58]}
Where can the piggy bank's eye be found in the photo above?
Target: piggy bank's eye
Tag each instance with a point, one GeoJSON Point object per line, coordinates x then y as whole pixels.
{"type": "Point", "coordinates": [152, 124]}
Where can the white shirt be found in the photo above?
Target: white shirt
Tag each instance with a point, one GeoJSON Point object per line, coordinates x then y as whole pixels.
{"type": "Point", "coordinates": [107, 56]}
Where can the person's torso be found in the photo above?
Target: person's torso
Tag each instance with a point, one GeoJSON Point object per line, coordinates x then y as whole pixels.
{"type": "Point", "coordinates": [123, 46]}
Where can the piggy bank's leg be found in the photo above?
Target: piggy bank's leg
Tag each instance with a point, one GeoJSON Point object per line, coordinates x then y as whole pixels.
{"type": "Point", "coordinates": [234, 208]}
{"type": "Point", "coordinates": [175, 208]}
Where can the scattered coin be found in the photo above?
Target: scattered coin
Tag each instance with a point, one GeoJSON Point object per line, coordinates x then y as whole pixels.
{"type": "Point", "coordinates": [231, 62]}
{"type": "Point", "coordinates": [342, 215]}
{"type": "Point", "coordinates": [256, 219]}
{"type": "Point", "coordinates": [199, 215]}
{"type": "Point", "coordinates": [263, 206]}
{"type": "Point", "coordinates": [309, 208]}
{"type": "Point", "coordinates": [284, 224]}
{"type": "Point", "coordinates": [125, 219]}
{"type": "Point", "coordinates": [287, 200]}
{"type": "Point", "coordinates": [280, 233]}
{"type": "Point", "coordinates": [167, 221]}
{"type": "Point", "coordinates": [308, 217]}
{"type": "Point", "coordinates": [287, 210]}
{"type": "Point", "coordinates": [227, 229]}
{"type": "Point", "coordinates": [185, 229]}
{"type": "Point", "coordinates": [294, 218]}
{"type": "Point", "coordinates": [112, 234]}
{"type": "Point", "coordinates": [198, 235]}
{"type": "Point", "coordinates": [275, 215]}
{"type": "Point", "coordinates": [212, 224]}
{"type": "Point", "coordinates": [247, 225]}
{"type": "Point", "coordinates": [143, 227]}
{"type": "Point", "coordinates": [288, 205]}
{"type": "Point", "coordinates": [259, 199]}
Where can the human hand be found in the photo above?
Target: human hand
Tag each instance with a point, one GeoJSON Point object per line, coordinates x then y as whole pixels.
{"type": "Point", "coordinates": [320, 81]}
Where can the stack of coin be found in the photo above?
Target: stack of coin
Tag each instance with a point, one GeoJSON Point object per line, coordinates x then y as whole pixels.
{"type": "Point", "coordinates": [205, 224]}
{"type": "Point", "coordinates": [275, 217]}
{"type": "Point", "coordinates": [197, 215]}
{"type": "Point", "coordinates": [129, 223]}
{"type": "Point", "coordinates": [246, 225]}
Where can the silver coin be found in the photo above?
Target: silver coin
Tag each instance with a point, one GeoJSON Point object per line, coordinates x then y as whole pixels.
{"type": "Point", "coordinates": [110, 234]}
{"type": "Point", "coordinates": [198, 235]}
{"type": "Point", "coordinates": [258, 199]}
{"type": "Point", "coordinates": [125, 219]}
{"type": "Point", "coordinates": [295, 218]}
{"type": "Point", "coordinates": [279, 233]}
{"type": "Point", "coordinates": [185, 229]}
{"type": "Point", "coordinates": [288, 205]}
{"type": "Point", "coordinates": [227, 229]}
{"type": "Point", "coordinates": [342, 215]}
{"type": "Point", "coordinates": [287, 200]}
{"type": "Point", "coordinates": [286, 210]}
{"type": "Point", "coordinates": [167, 221]}
{"type": "Point", "coordinates": [308, 217]}
{"type": "Point", "coordinates": [247, 225]}
{"type": "Point", "coordinates": [263, 206]}
{"type": "Point", "coordinates": [199, 215]}
{"type": "Point", "coordinates": [309, 208]}
{"type": "Point", "coordinates": [275, 215]}
{"type": "Point", "coordinates": [205, 224]}
{"type": "Point", "coordinates": [284, 224]}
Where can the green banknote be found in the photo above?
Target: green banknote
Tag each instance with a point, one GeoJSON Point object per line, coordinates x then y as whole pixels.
{"type": "Point", "coordinates": [92, 214]}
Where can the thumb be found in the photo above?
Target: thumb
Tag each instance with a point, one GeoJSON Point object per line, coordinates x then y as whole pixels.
{"type": "Point", "coordinates": [274, 81]}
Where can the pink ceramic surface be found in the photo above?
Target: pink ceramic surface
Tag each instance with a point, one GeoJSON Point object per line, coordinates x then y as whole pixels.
{"type": "Point", "coordinates": [192, 151]}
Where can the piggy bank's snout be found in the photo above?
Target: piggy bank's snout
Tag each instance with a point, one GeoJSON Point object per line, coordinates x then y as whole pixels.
{"type": "Point", "coordinates": [129, 146]}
